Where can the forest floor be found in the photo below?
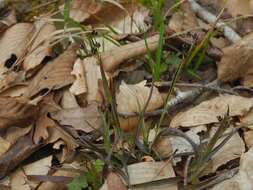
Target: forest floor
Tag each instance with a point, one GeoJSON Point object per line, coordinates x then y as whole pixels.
{"type": "Point", "coordinates": [126, 94]}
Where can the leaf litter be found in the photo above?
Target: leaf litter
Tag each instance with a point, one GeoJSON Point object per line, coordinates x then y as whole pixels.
{"type": "Point", "coordinates": [74, 115]}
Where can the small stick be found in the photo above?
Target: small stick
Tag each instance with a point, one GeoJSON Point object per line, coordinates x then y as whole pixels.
{"type": "Point", "coordinates": [229, 33]}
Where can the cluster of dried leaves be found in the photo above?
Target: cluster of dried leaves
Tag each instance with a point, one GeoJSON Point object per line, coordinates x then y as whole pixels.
{"type": "Point", "coordinates": [52, 105]}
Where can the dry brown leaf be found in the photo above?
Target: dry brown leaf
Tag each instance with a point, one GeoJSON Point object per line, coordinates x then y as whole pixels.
{"type": "Point", "coordinates": [16, 112]}
{"type": "Point", "coordinates": [79, 86]}
{"type": "Point", "coordinates": [247, 119]}
{"type": "Point", "coordinates": [113, 181]}
{"type": "Point", "coordinates": [82, 10]}
{"type": "Point", "coordinates": [14, 42]}
{"type": "Point", "coordinates": [208, 111]}
{"type": "Point", "coordinates": [248, 138]}
{"type": "Point", "coordinates": [55, 74]}
{"type": "Point", "coordinates": [132, 98]}
{"type": "Point", "coordinates": [13, 45]}
{"type": "Point", "coordinates": [236, 62]}
{"type": "Point", "coordinates": [58, 133]}
{"type": "Point", "coordinates": [85, 119]}
{"type": "Point", "coordinates": [19, 180]}
{"type": "Point", "coordinates": [233, 149]}
{"type": "Point", "coordinates": [236, 7]}
{"type": "Point", "coordinates": [4, 146]}
{"type": "Point", "coordinates": [14, 133]}
{"type": "Point", "coordinates": [68, 100]}
{"type": "Point", "coordinates": [183, 20]}
{"type": "Point", "coordinates": [93, 76]}
{"type": "Point", "coordinates": [244, 179]}
{"type": "Point", "coordinates": [43, 122]}
{"type": "Point", "coordinates": [149, 171]}
{"type": "Point", "coordinates": [41, 46]}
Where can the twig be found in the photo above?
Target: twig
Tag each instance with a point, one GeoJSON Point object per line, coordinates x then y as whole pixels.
{"type": "Point", "coordinates": [229, 33]}
{"type": "Point", "coordinates": [196, 85]}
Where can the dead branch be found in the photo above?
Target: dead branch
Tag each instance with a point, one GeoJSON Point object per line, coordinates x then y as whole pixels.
{"type": "Point", "coordinates": [229, 33]}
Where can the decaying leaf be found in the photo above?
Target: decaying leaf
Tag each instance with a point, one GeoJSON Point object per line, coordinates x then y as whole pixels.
{"type": "Point", "coordinates": [14, 133]}
{"type": "Point", "coordinates": [132, 98]}
{"type": "Point", "coordinates": [55, 74]}
{"type": "Point", "coordinates": [4, 146]}
{"type": "Point", "coordinates": [248, 138]}
{"type": "Point", "coordinates": [41, 47]}
{"type": "Point", "coordinates": [208, 111]}
{"type": "Point", "coordinates": [93, 76]}
{"type": "Point", "coordinates": [16, 112]}
{"type": "Point", "coordinates": [244, 179]}
{"type": "Point", "coordinates": [19, 178]}
{"type": "Point", "coordinates": [149, 171]}
{"type": "Point", "coordinates": [184, 19]}
{"type": "Point", "coordinates": [236, 7]}
{"type": "Point", "coordinates": [68, 100]}
{"type": "Point", "coordinates": [144, 172]}
{"type": "Point", "coordinates": [236, 62]}
{"type": "Point", "coordinates": [233, 149]}
{"type": "Point", "coordinates": [85, 119]}
{"type": "Point", "coordinates": [113, 181]}
{"type": "Point", "coordinates": [13, 44]}
{"type": "Point", "coordinates": [82, 10]}
{"type": "Point", "coordinates": [43, 121]}
{"type": "Point", "coordinates": [58, 133]}
{"type": "Point", "coordinates": [79, 86]}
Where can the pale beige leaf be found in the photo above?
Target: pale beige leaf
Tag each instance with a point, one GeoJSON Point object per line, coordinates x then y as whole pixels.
{"type": "Point", "coordinates": [55, 74]}
{"type": "Point", "coordinates": [81, 10]}
{"type": "Point", "coordinates": [209, 111]}
{"type": "Point", "coordinates": [113, 181]}
{"type": "Point", "coordinates": [85, 119]}
{"type": "Point", "coordinates": [248, 138]}
{"type": "Point", "coordinates": [4, 146]}
{"type": "Point", "coordinates": [247, 119]}
{"type": "Point", "coordinates": [14, 41]}
{"type": "Point", "coordinates": [93, 76]}
{"type": "Point", "coordinates": [19, 180]}
{"type": "Point", "coordinates": [132, 98]}
{"type": "Point", "coordinates": [41, 45]}
{"type": "Point", "coordinates": [68, 100]}
{"type": "Point", "coordinates": [233, 149]}
{"type": "Point", "coordinates": [183, 20]}
{"type": "Point", "coordinates": [236, 62]}
{"type": "Point", "coordinates": [244, 179]}
{"type": "Point", "coordinates": [236, 7]}
{"type": "Point", "coordinates": [149, 171]}
{"type": "Point", "coordinates": [79, 86]}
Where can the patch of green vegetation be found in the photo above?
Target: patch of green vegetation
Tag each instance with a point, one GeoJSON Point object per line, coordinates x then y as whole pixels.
{"type": "Point", "coordinates": [90, 179]}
